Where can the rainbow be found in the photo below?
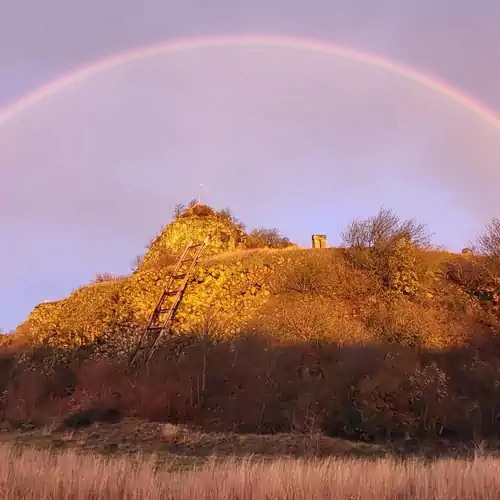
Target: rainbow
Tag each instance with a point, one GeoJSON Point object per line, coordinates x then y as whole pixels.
{"type": "Point", "coordinates": [14, 109]}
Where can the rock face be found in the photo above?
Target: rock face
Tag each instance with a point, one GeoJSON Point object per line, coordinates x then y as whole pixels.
{"type": "Point", "coordinates": [194, 224]}
{"type": "Point", "coordinates": [227, 291]}
{"type": "Point", "coordinates": [224, 294]}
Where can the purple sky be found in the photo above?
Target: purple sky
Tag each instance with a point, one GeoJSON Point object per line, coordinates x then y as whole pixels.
{"type": "Point", "coordinates": [298, 141]}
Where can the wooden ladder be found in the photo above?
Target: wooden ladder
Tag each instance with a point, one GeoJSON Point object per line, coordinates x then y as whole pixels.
{"type": "Point", "coordinates": [164, 313]}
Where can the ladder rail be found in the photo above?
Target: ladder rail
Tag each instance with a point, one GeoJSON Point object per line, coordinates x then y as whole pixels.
{"type": "Point", "coordinates": [160, 302]}
{"type": "Point", "coordinates": [160, 327]}
{"type": "Point", "coordinates": [167, 322]}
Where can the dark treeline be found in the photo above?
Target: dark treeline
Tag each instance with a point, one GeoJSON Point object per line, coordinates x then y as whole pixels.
{"type": "Point", "coordinates": [253, 384]}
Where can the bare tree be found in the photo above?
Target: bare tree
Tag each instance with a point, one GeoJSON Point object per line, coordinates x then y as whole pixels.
{"type": "Point", "coordinates": [137, 262]}
{"type": "Point", "coordinates": [385, 228]}
{"type": "Point", "coordinates": [178, 210]}
{"type": "Point", "coordinates": [489, 243]}
{"type": "Point", "coordinates": [267, 238]}
{"type": "Point", "coordinates": [103, 277]}
{"type": "Point", "coordinates": [227, 214]}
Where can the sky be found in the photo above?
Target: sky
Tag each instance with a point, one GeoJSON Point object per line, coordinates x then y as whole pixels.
{"type": "Point", "coordinates": [291, 139]}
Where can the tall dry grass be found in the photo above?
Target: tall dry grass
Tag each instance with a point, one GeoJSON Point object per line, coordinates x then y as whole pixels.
{"type": "Point", "coordinates": [32, 474]}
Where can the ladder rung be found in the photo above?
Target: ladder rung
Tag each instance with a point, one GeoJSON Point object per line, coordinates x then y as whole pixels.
{"type": "Point", "coordinates": [184, 273]}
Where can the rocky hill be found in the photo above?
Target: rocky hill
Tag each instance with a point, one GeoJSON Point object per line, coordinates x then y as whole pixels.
{"type": "Point", "coordinates": [286, 291]}
{"type": "Point", "coordinates": [383, 338]}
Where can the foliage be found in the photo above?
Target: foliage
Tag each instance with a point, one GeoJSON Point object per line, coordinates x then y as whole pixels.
{"type": "Point", "coordinates": [489, 245]}
{"type": "Point", "coordinates": [412, 324]}
{"type": "Point", "coordinates": [137, 263]}
{"type": "Point", "coordinates": [267, 238]}
{"type": "Point", "coordinates": [227, 214]}
{"type": "Point", "coordinates": [383, 230]}
{"type": "Point", "coordinates": [103, 277]}
{"type": "Point", "coordinates": [178, 210]}
{"type": "Point", "coordinates": [260, 384]}
{"type": "Point", "coordinates": [390, 248]}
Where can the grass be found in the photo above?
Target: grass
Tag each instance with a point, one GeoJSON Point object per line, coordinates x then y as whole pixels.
{"type": "Point", "coordinates": [182, 445]}
{"type": "Point", "coordinates": [29, 474]}
{"type": "Point", "coordinates": [187, 446]}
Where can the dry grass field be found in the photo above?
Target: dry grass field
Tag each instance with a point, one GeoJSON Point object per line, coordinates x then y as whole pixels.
{"type": "Point", "coordinates": [26, 473]}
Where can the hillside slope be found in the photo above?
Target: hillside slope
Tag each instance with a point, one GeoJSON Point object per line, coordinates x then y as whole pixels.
{"type": "Point", "coordinates": [290, 293]}
{"type": "Point", "coordinates": [380, 339]}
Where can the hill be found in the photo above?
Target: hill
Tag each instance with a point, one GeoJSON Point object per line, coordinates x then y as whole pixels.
{"type": "Point", "coordinates": [382, 337]}
{"type": "Point", "coordinates": [290, 292]}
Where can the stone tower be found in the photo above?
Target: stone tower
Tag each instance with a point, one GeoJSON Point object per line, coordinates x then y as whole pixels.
{"type": "Point", "coordinates": [319, 241]}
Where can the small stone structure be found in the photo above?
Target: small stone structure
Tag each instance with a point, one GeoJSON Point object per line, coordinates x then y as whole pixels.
{"type": "Point", "coordinates": [319, 241]}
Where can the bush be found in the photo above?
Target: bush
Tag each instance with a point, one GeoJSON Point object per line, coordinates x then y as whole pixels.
{"type": "Point", "coordinates": [267, 238]}
{"type": "Point", "coordinates": [178, 210]}
{"type": "Point", "coordinates": [193, 208]}
{"type": "Point", "coordinates": [316, 273]}
{"type": "Point", "coordinates": [256, 384]}
{"type": "Point", "coordinates": [478, 271]}
{"type": "Point", "coordinates": [489, 245]}
{"type": "Point", "coordinates": [412, 324]}
{"type": "Point", "coordinates": [103, 277]}
{"type": "Point", "coordinates": [309, 277]}
{"type": "Point", "coordinates": [384, 229]}
{"type": "Point", "coordinates": [388, 247]}
{"type": "Point", "coordinates": [226, 213]}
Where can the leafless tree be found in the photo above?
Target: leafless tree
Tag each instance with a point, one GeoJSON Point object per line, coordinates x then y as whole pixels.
{"type": "Point", "coordinates": [385, 228]}
{"type": "Point", "coordinates": [178, 210]}
{"type": "Point", "coordinates": [267, 238]}
{"type": "Point", "coordinates": [489, 243]}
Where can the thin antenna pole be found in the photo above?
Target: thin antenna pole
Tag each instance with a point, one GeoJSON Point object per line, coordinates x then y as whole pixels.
{"type": "Point", "coordinates": [206, 191]}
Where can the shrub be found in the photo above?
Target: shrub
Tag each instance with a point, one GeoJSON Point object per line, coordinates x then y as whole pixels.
{"type": "Point", "coordinates": [479, 273]}
{"type": "Point", "coordinates": [308, 278]}
{"type": "Point", "coordinates": [489, 245]}
{"type": "Point", "coordinates": [267, 238]}
{"type": "Point", "coordinates": [262, 384]}
{"type": "Point", "coordinates": [412, 324]}
{"type": "Point", "coordinates": [226, 214]}
{"type": "Point", "coordinates": [388, 247]}
{"type": "Point", "coordinates": [178, 210]}
{"type": "Point", "coordinates": [194, 207]}
{"type": "Point", "coordinates": [317, 273]}
{"type": "Point", "coordinates": [137, 263]}
{"type": "Point", "coordinates": [103, 277]}
{"type": "Point", "coordinates": [383, 229]}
